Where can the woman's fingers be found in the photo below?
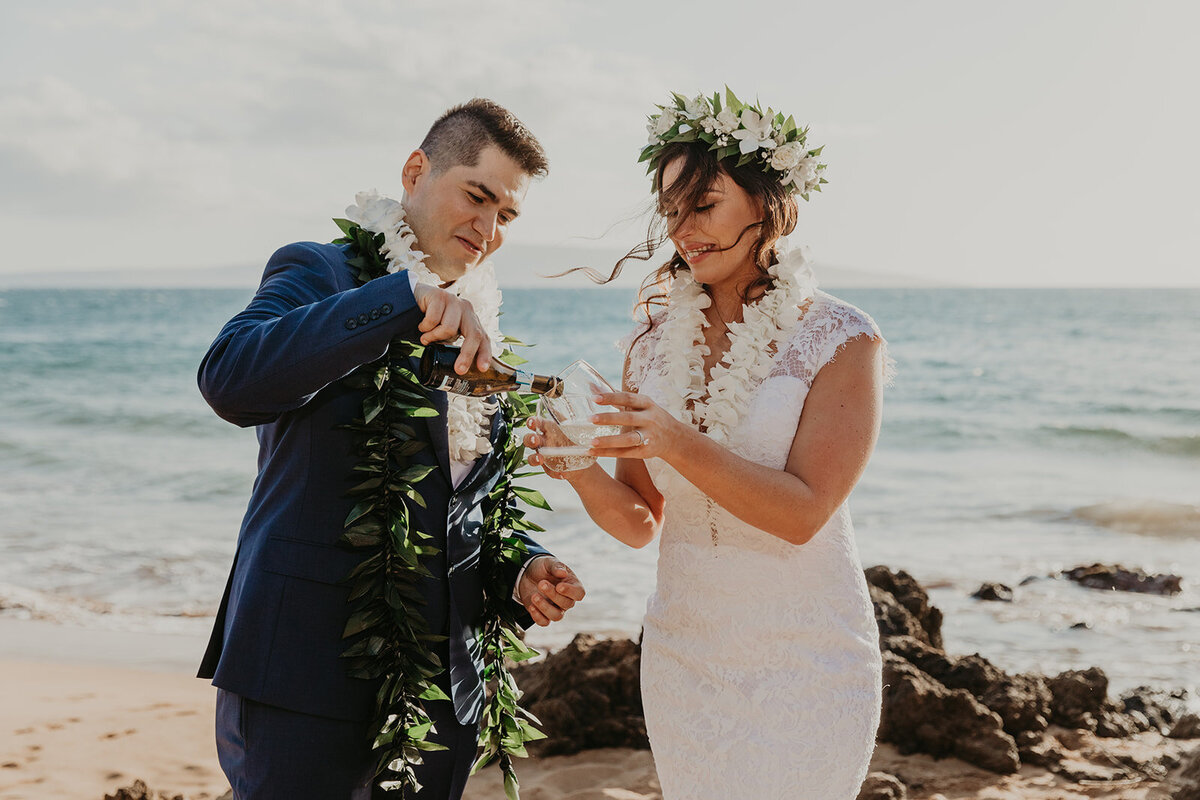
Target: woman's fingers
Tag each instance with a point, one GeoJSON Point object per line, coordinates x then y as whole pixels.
{"type": "Point", "coordinates": [630, 400]}
{"type": "Point", "coordinates": [619, 418]}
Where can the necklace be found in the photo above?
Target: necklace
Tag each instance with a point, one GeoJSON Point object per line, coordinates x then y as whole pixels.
{"type": "Point", "coordinates": [718, 407]}
{"type": "Point", "coordinates": [467, 418]}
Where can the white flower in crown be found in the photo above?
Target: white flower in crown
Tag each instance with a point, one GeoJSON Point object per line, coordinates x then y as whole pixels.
{"type": "Point", "coordinates": [756, 133]}
{"type": "Point", "coordinates": [805, 176]}
{"type": "Point", "coordinates": [727, 121]}
{"type": "Point", "coordinates": [662, 123]}
{"type": "Point", "coordinates": [696, 107]}
{"type": "Point", "coordinates": [787, 156]}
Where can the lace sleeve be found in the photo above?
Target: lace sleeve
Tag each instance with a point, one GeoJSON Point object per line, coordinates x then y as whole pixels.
{"type": "Point", "coordinates": [844, 323]}
{"type": "Point", "coordinates": [638, 347]}
{"type": "Point", "coordinates": [825, 328]}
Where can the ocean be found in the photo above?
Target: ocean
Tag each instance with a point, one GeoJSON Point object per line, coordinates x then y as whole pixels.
{"type": "Point", "coordinates": [1027, 432]}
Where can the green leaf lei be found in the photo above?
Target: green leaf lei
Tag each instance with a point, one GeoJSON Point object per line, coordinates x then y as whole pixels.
{"type": "Point", "coordinates": [391, 639]}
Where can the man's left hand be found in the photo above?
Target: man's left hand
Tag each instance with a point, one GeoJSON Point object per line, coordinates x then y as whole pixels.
{"type": "Point", "coordinates": [548, 589]}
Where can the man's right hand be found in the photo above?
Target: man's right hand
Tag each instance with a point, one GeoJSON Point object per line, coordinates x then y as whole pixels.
{"type": "Point", "coordinates": [446, 318]}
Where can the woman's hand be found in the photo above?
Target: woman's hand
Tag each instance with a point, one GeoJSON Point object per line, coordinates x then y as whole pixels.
{"type": "Point", "coordinates": [650, 432]}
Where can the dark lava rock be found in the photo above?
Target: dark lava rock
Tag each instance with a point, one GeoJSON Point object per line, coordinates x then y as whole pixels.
{"type": "Point", "coordinates": [919, 619]}
{"type": "Point", "coordinates": [1039, 749]}
{"type": "Point", "coordinates": [882, 786]}
{"type": "Point", "coordinates": [1190, 774]}
{"type": "Point", "coordinates": [997, 592]}
{"type": "Point", "coordinates": [1154, 709]}
{"type": "Point", "coordinates": [1114, 576]}
{"type": "Point", "coordinates": [1080, 700]}
{"type": "Point", "coordinates": [1022, 701]}
{"type": "Point", "coordinates": [922, 715]}
{"type": "Point", "coordinates": [139, 791]}
{"type": "Point", "coordinates": [1188, 727]}
{"type": "Point", "coordinates": [586, 695]}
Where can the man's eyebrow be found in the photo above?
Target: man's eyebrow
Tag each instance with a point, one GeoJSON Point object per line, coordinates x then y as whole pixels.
{"type": "Point", "coordinates": [492, 196]}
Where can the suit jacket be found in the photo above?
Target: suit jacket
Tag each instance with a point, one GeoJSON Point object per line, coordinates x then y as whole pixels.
{"type": "Point", "coordinates": [277, 365]}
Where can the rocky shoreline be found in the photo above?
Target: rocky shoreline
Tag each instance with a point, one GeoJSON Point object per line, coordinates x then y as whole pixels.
{"type": "Point", "coordinates": [934, 704]}
{"type": "Point", "coordinates": [952, 727]}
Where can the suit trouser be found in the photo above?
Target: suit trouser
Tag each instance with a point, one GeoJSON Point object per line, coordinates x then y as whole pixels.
{"type": "Point", "coordinates": [271, 753]}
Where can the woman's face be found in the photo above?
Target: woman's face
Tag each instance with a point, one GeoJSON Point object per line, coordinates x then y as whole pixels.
{"type": "Point", "coordinates": [707, 236]}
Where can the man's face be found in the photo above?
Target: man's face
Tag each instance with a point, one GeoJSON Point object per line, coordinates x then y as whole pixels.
{"type": "Point", "coordinates": [461, 215]}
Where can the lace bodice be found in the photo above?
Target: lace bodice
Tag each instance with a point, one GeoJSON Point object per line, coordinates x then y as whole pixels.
{"type": "Point", "coordinates": [746, 695]}
{"type": "Point", "coordinates": [828, 324]}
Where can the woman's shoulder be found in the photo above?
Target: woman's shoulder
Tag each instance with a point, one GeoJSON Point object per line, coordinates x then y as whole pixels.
{"type": "Point", "coordinates": [834, 315]}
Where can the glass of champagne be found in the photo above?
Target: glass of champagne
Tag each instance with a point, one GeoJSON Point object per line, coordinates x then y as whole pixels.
{"type": "Point", "coordinates": [567, 419]}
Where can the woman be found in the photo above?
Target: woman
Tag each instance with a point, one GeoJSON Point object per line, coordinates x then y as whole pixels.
{"type": "Point", "coordinates": [751, 404]}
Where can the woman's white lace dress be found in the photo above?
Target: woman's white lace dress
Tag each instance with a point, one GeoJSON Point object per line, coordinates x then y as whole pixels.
{"type": "Point", "coordinates": [761, 672]}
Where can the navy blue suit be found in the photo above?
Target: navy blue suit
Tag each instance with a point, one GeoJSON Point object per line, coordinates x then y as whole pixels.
{"type": "Point", "coordinates": [278, 365]}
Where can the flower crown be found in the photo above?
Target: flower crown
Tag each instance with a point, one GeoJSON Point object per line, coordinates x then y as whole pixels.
{"type": "Point", "coordinates": [738, 129]}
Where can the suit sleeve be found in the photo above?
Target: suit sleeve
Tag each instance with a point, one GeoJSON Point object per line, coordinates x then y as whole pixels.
{"type": "Point", "coordinates": [300, 333]}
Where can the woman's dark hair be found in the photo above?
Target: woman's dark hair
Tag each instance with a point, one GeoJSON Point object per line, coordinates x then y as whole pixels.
{"type": "Point", "coordinates": [699, 171]}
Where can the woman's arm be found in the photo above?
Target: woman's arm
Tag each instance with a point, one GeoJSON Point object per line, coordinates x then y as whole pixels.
{"type": "Point", "coordinates": [833, 441]}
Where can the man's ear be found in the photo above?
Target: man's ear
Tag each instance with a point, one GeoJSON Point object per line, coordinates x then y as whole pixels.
{"type": "Point", "coordinates": [416, 170]}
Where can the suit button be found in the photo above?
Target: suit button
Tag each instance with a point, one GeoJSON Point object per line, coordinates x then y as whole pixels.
{"type": "Point", "coordinates": [363, 319]}
{"type": "Point", "coordinates": [385, 309]}
{"type": "Point", "coordinates": [351, 324]}
{"type": "Point", "coordinates": [374, 313]}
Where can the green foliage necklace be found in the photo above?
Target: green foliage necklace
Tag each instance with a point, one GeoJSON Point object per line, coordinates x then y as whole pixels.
{"type": "Point", "coordinates": [392, 640]}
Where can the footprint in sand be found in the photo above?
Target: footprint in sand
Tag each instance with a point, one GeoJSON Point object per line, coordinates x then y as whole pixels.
{"type": "Point", "coordinates": [10, 765]}
{"type": "Point", "coordinates": [154, 707]}
{"type": "Point", "coordinates": [117, 734]}
{"type": "Point", "coordinates": [23, 731]}
{"type": "Point", "coordinates": [114, 776]}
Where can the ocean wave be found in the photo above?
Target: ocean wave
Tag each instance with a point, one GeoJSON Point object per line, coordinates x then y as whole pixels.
{"type": "Point", "coordinates": [1173, 413]}
{"type": "Point", "coordinates": [31, 604]}
{"type": "Point", "coordinates": [1108, 436]}
{"type": "Point", "coordinates": [1145, 517]}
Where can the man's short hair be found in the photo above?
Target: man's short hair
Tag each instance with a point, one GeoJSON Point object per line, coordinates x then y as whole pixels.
{"type": "Point", "coordinates": [461, 134]}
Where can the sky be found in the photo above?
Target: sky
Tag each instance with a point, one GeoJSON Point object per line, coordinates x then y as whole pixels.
{"type": "Point", "coordinates": [1048, 143]}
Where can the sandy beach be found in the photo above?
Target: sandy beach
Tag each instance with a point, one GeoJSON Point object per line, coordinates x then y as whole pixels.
{"type": "Point", "coordinates": [87, 712]}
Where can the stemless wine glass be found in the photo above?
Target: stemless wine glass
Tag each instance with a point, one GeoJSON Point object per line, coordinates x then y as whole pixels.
{"type": "Point", "coordinates": [567, 419]}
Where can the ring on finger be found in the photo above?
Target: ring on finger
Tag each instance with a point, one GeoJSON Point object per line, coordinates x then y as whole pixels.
{"type": "Point", "coordinates": [643, 439]}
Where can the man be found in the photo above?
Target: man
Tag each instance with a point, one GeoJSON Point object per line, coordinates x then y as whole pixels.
{"type": "Point", "coordinates": [290, 722]}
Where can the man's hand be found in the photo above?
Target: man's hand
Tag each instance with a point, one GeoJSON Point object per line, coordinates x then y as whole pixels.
{"type": "Point", "coordinates": [446, 318]}
{"type": "Point", "coordinates": [548, 589]}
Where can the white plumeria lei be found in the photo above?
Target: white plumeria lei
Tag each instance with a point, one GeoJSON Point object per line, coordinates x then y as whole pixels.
{"type": "Point", "coordinates": [467, 418]}
{"type": "Point", "coordinates": [747, 361]}
{"type": "Point", "coordinates": [738, 129]}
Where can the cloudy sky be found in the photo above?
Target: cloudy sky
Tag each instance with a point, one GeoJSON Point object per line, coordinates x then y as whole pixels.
{"type": "Point", "coordinates": [1016, 143]}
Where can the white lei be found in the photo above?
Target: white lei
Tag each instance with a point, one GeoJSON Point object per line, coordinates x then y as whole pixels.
{"type": "Point", "coordinates": [468, 419]}
{"type": "Point", "coordinates": [747, 361]}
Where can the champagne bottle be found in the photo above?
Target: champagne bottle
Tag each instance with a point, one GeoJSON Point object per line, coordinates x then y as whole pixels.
{"type": "Point", "coordinates": [437, 372]}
